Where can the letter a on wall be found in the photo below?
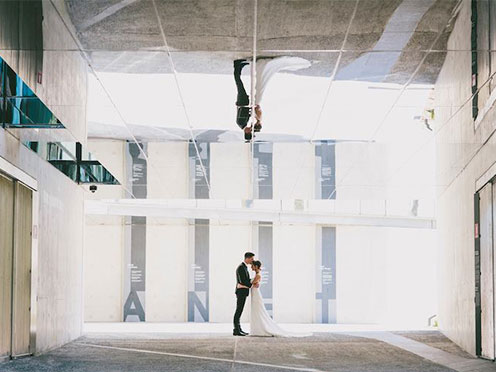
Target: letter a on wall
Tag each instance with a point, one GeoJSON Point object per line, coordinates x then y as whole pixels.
{"type": "Point", "coordinates": [135, 241]}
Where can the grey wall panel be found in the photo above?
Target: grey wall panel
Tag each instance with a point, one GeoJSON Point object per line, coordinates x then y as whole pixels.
{"type": "Point", "coordinates": [325, 168]}
{"type": "Point", "coordinates": [21, 308]}
{"type": "Point", "coordinates": [265, 254]}
{"type": "Point", "coordinates": [6, 249]}
{"type": "Point", "coordinates": [483, 55]}
{"type": "Point", "coordinates": [199, 170]}
{"type": "Point", "coordinates": [199, 238]}
{"type": "Point", "coordinates": [198, 293]}
{"type": "Point", "coordinates": [326, 275]}
{"type": "Point", "coordinates": [262, 168]}
{"type": "Point", "coordinates": [135, 246]}
{"type": "Point", "coordinates": [263, 189]}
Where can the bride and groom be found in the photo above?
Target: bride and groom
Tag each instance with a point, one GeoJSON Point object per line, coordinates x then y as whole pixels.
{"type": "Point", "coordinates": [261, 324]}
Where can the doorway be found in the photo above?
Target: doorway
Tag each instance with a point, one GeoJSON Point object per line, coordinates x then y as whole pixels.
{"type": "Point", "coordinates": [485, 200]}
{"type": "Point", "coordinates": [16, 201]}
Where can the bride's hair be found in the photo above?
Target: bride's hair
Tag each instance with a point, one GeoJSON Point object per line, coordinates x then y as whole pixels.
{"type": "Point", "coordinates": [257, 264]}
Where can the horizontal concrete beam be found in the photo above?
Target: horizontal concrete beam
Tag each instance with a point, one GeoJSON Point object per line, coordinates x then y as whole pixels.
{"type": "Point", "coordinates": [11, 170]}
{"type": "Point", "coordinates": [282, 211]}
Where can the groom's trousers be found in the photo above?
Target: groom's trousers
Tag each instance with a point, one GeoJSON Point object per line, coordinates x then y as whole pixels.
{"type": "Point", "coordinates": [240, 304]}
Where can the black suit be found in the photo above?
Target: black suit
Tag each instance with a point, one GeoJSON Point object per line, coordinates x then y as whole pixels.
{"type": "Point", "coordinates": [242, 277]}
{"type": "Point", "coordinates": [243, 101]}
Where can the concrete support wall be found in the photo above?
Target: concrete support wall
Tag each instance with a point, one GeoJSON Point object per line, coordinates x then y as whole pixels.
{"type": "Point", "coordinates": [60, 246]}
{"type": "Point", "coordinates": [53, 68]}
{"type": "Point", "coordinates": [386, 276]}
{"type": "Point", "coordinates": [167, 255]}
{"type": "Point", "coordinates": [103, 268]}
{"type": "Point", "coordinates": [166, 270]}
{"type": "Point", "coordinates": [57, 74]}
{"type": "Point", "coordinates": [465, 151]}
{"type": "Point", "coordinates": [375, 279]}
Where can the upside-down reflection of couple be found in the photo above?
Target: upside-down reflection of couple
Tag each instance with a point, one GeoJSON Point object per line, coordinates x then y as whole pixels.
{"type": "Point", "coordinates": [266, 67]}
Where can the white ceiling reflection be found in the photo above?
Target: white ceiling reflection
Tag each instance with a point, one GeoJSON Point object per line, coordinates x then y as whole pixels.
{"type": "Point", "coordinates": [295, 108]}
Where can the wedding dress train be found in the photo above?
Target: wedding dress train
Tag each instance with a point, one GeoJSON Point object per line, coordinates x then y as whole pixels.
{"type": "Point", "coordinates": [261, 324]}
{"type": "Point", "coordinates": [266, 68]}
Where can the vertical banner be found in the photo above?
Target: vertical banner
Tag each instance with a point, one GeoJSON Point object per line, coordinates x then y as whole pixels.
{"type": "Point", "coordinates": [325, 157]}
{"type": "Point", "coordinates": [199, 238]}
{"type": "Point", "coordinates": [262, 189]}
{"type": "Point", "coordinates": [326, 275]}
{"type": "Point", "coordinates": [262, 167]}
{"type": "Point", "coordinates": [265, 255]}
{"type": "Point", "coordinates": [135, 246]}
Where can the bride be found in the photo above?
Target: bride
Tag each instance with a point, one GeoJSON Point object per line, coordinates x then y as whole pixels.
{"type": "Point", "coordinates": [261, 324]}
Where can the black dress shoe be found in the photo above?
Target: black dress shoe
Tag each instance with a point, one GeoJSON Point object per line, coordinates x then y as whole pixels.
{"type": "Point", "coordinates": [238, 333]}
{"type": "Point", "coordinates": [244, 333]}
{"type": "Point", "coordinates": [239, 63]}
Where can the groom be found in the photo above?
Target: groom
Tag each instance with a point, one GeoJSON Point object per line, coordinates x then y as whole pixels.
{"type": "Point", "coordinates": [242, 277]}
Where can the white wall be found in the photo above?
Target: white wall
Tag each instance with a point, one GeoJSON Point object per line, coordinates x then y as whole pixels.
{"type": "Point", "coordinates": [166, 270]}
{"type": "Point", "coordinates": [111, 153]}
{"type": "Point", "coordinates": [464, 153]}
{"type": "Point", "coordinates": [63, 86]}
{"type": "Point", "coordinates": [294, 273]}
{"type": "Point", "coordinates": [103, 276]}
{"type": "Point", "coordinates": [103, 260]}
{"type": "Point", "coordinates": [60, 246]}
{"type": "Point", "coordinates": [293, 171]}
{"type": "Point", "coordinates": [230, 171]}
{"type": "Point", "coordinates": [59, 310]}
{"type": "Point", "coordinates": [104, 241]}
{"type": "Point", "coordinates": [168, 170]}
{"type": "Point", "coordinates": [229, 240]}
{"type": "Point", "coordinates": [167, 240]}
{"type": "Point", "coordinates": [386, 276]}
{"type": "Point", "coordinates": [230, 178]}
{"type": "Point", "coordinates": [386, 171]}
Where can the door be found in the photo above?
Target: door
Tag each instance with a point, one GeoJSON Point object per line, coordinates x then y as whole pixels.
{"type": "Point", "coordinates": [6, 249]}
{"type": "Point", "coordinates": [486, 271]}
{"type": "Point", "coordinates": [21, 315]}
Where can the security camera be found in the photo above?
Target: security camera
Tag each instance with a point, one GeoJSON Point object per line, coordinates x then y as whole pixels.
{"type": "Point", "coordinates": [93, 188]}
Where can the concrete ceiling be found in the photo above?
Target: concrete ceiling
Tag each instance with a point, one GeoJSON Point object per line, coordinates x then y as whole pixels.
{"type": "Point", "coordinates": [383, 53]}
{"type": "Point", "coordinates": [124, 35]}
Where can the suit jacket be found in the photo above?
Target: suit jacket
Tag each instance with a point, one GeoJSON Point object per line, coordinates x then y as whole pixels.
{"type": "Point", "coordinates": [243, 277]}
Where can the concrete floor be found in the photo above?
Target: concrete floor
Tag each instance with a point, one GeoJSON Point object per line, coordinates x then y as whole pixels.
{"type": "Point", "coordinates": [221, 352]}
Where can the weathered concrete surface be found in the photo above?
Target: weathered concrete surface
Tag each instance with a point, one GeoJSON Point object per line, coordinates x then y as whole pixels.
{"type": "Point", "coordinates": [437, 340]}
{"type": "Point", "coordinates": [463, 154]}
{"type": "Point", "coordinates": [60, 216]}
{"type": "Point", "coordinates": [124, 36]}
{"type": "Point", "coordinates": [321, 352]}
{"type": "Point", "coordinates": [35, 42]}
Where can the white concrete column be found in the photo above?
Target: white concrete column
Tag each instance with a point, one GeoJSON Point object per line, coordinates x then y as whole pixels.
{"type": "Point", "coordinates": [230, 171]}
{"type": "Point", "coordinates": [294, 273]}
{"type": "Point", "coordinates": [229, 240]}
{"type": "Point", "coordinates": [294, 171]}
{"type": "Point", "coordinates": [167, 239]}
{"type": "Point", "coordinates": [166, 270]}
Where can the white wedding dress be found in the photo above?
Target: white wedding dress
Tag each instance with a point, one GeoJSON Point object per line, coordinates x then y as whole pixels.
{"type": "Point", "coordinates": [261, 324]}
{"type": "Point", "coordinates": [266, 68]}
